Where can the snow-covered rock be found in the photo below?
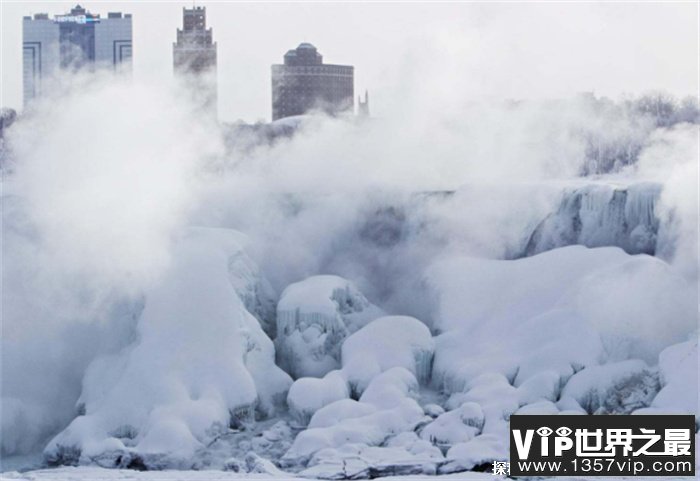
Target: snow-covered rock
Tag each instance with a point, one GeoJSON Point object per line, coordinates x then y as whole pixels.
{"type": "Point", "coordinates": [617, 388]}
{"type": "Point", "coordinates": [201, 364]}
{"type": "Point", "coordinates": [569, 404]}
{"type": "Point", "coordinates": [393, 341]}
{"type": "Point", "coordinates": [433, 410]}
{"type": "Point", "coordinates": [542, 386]}
{"type": "Point", "coordinates": [390, 388]}
{"type": "Point", "coordinates": [308, 394]}
{"type": "Point", "coordinates": [492, 391]}
{"type": "Point", "coordinates": [484, 449]}
{"type": "Point", "coordinates": [314, 316]}
{"type": "Point", "coordinates": [456, 426]}
{"type": "Point", "coordinates": [338, 411]}
{"type": "Point", "coordinates": [539, 407]}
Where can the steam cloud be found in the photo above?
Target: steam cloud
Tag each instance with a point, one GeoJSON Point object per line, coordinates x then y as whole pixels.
{"type": "Point", "coordinates": [104, 175]}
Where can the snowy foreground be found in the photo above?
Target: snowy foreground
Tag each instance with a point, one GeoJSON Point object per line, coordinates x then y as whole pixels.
{"type": "Point", "coordinates": [96, 474]}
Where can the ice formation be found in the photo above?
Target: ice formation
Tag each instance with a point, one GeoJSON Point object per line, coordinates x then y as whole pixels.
{"type": "Point", "coordinates": [599, 215]}
{"type": "Point", "coordinates": [258, 296]}
{"type": "Point", "coordinates": [314, 316]}
{"type": "Point", "coordinates": [200, 365]}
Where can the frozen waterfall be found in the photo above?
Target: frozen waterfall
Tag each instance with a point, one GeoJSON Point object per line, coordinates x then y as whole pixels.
{"type": "Point", "coordinates": [601, 215]}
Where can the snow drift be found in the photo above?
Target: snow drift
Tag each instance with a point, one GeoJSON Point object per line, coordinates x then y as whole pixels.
{"type": "Point", "coordinates": [561, 310]}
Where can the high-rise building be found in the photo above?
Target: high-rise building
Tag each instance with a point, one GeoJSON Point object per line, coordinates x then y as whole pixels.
{"type": "Point", "coordinates": [78, 40]}
{"type": "Point", "coordinates": [194, 57]}
{"type": "Point", "coordinates": [304, 83]}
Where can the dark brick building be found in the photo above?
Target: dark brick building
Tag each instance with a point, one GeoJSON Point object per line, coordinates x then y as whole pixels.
{"type": "Point", "coordinates": [305, 83]}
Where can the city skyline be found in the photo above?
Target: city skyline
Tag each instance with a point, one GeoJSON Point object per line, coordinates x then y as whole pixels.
{"type": "Point", "coordinates": [412, 49]}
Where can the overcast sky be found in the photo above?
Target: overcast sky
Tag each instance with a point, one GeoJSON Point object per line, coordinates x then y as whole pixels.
{"type": "Point", "coordinates": [476, 50]}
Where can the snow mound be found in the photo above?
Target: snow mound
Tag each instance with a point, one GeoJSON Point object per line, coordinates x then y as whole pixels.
{"type": "Point", "coordinates": [314, 316]}
{"type": "Point", "coordinates": [558, 311]}
{"type": "Point", "coordinates": [393, 341]}
{"type": "Point", "coordinates": [200, 364]}
{"type": "Point", "coordinates": [308, 394]}
{"type": "Point", "coordinates": [617, 388]}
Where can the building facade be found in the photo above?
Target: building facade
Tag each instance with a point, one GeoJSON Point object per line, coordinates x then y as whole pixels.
{"type": "Point", "coordinates": [194, 58]}
{"type": "Point", "coordinates": [304, 83]}
{"type": "Point", "coordinates": [75, 41]}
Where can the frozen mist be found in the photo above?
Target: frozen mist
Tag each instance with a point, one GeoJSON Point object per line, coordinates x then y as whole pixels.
{"type": "Point", "coordinates": [332, 298]}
